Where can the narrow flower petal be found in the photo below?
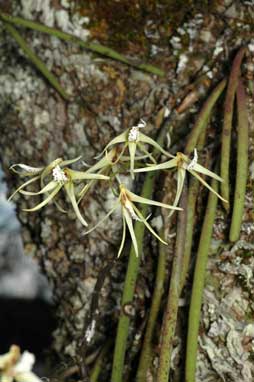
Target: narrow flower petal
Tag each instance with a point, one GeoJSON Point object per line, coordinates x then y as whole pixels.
{"type": "Point", "coordinates": [147, 154]}
{"type": "Point", "coordinates": [24, 185]}
{"type": "Point", "coordinates": [69, 187]}
{"type": "Point", "coordinates": [27, 377]}
{"type": "Point", "coordinates": [80, 175]}
{"type": "Point", "coordinates": [25, 169]}
{"type": "Point", "coordinates": [144, 138]}
{"type": "Point", "coordinates": [45, 201]}
{"type": "Point", "coordinates": [129, 222]}
{"type": "Point", "coordinates": [181, 172]}
{"type": "Point", "coordinates": [132, 150]}
{"type": "Point", "coordinates": [126, 158]}
{"type": "Point", "coordinates": [119, 139]}
{"type": "Point", "coordinates": [140, 199]}
{"type": "Point", "coordinates": [123, 238]}
{"type": "Point", "coordinates": [49, 187]}
{"type": "Point", "coordinates": [103, 162]}
{"type": "Point", "coordinates": [70, 161]}
{"type": "Point", "coordinates": [197, 167]}
{"type": "Point", "coordinates": [84, 190]}
{"type": "Point", "coordinates": [207, 185]}
{"type": "Point", "coordinates": [148, 226]}
{"type": "Point", "coordinates": [162, 166]}
{"type": "Point", "coordinates": [103, 219]}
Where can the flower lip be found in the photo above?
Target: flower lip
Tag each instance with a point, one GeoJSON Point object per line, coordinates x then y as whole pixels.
{"type": "Point", "coordinates": [59, 175]}
{"type": "Point", "coordinates": [134, 131]}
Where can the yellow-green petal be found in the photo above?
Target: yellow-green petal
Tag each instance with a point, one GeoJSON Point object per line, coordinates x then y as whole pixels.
{"type": "Point", "coordinates": [123, 238]}
{"type": "Point", "coordinates": [181, 172]}
{"type": "Point", "coordinates": [45, 201]}
{"type": "Point", "coordinates": [70, 161]}
{"type": "Point", "coordinates": [49, 187]}
{"type": "Point", "coordinates": [26, 170]}
{"type": "Point", "coordinates": [207, 185]}
{"type": "Point", "coordinates": [23, 185]}
{"type": "Point", "coordinates": [103, 219]}
{"type": "Point", "coordinates": [140, 199]}
{"type": "Point", "coordinates": [197, 167]}
{"type": "Point", "coordinates": [82, 175]}
{"type": "Point", "coordinates": [69, 187]}
{"type": "Point", "coordinates": [144, 138]}
{"type": "Point", "coordinates": [129, 222]}
{"type": "Point", "coordinates": [162, 166]}
{"type": "Point", "coordinates": [143, 220]}
{"type": "Point", "coordinates": [121, 138]}
{"type": "Point", "coordinates": [147, 154]}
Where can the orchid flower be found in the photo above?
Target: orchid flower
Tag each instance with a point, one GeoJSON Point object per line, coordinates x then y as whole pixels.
{"type": "Point", "coordinates": [130, 212]}
{"type": "Point", "coordinates": [105, 165]}
{"type": "Point", "coordinates": [17, 367]}
{"type": "Point", "coordinates": [183, 164]}
{"type": "Point", "coordinates": [134, 139]}
{"type": "Point", "coordinates": [61, 177]}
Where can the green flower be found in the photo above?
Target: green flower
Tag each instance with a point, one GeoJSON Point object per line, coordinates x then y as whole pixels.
{"type": "Point", "coordinates": [134, 139]}
{"type": "Point", "coordinates": [130, 212]}
{"type": "Point", "coordinates": [61, 177]}
{"type": "Point", "coordinates": [183, 164]}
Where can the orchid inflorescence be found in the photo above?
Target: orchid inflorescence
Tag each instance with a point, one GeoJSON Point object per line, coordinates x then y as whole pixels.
{"type": "Point", "coordinates": [126, 149]}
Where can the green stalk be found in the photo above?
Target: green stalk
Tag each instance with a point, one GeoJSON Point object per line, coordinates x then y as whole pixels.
{"type": "Point", "coordinates": [203, 117]}
{"type": "Point", "coordinates": [227, 124]}
{"type": "Point", "coordinates": [146, 353]}
{"type": "Point", "coordinates": [129, 287]}
{"type": "Point", "coordinates": [191, 209]}
{"type": "Point", "coordinates": [198, 285]}
{"type": "Point", "coordinates": [96, 48]}
{"type": "Point", "coordinates": [242, 163]}
{"type": "Point", "coordinates": [197, 139]}
{"type": "Point", "coordinates": [170, 315]}
{"type": "Point", "coordinates": [131, 276]}
{"type": "Point", "coordinates": [96, 370]}
{"type": "Point", "coordinates": [36, 60]}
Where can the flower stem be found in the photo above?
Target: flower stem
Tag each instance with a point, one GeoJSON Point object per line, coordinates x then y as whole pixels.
{"type": "Point", "coordinates": [242, 163]}
{"type": "Point", "coordinates": [96, 48]}
{"type": "Point", "coordinates": [198, 285]}
{"type": "Point", "coordinates": [170, 315]}
{"type": "Point", "coordinates": [131, 276]}
{"type": "Point", "coordinates": [99, 361]}
{"type": "Point", "coordinates": [36, 60]}
{"type": "Point", "coordinates": [191, 206]}
{"type": "Point", "coordinates": [203, 117]}
{"type": "Point", "coordinates": [197, 138]}
{"type": "Point", "coordinates": [227, 124]}
{"type": "Point", "coordinates": [146, 353]}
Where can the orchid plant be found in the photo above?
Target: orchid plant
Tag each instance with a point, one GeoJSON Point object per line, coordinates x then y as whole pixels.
{"type": "Point", "coordinates": [58, 175]}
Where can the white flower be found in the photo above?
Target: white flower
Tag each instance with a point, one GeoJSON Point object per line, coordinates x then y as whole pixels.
{"type": "Point", "coordinates": [130, 212]}
{"type": "Point", "coordinates": [16, 367]}
{"type": "Point", "coordinates": [60, 177]}
{"type": "Point", "coordinates": [183, 164]}
{"type": "Point", "coordinates": [133, 139]}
